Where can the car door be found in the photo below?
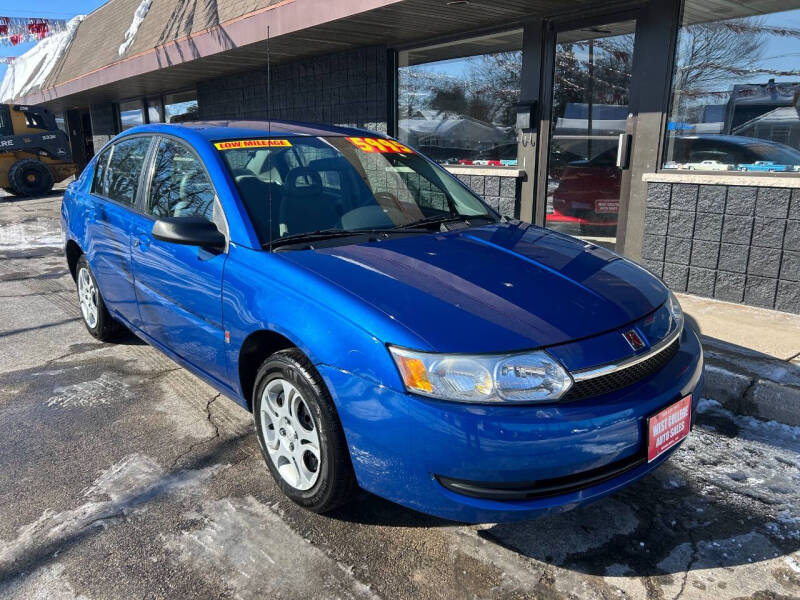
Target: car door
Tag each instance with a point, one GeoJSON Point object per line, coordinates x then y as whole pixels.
{"type": "Point", "coordinates": [114, 192]}
{"type": "Point", "coordinates": [179, 287]}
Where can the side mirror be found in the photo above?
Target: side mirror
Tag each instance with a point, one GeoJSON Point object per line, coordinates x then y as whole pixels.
{"type": "Point", "coordinates": [189, 231]}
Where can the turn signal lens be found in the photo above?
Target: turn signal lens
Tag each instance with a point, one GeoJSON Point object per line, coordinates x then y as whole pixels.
{"type": "Point", "coordinates": [532, 377]}
{"type": "Point", "coordinates": [414, 373]}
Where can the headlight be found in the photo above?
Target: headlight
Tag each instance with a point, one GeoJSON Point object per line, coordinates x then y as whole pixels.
{"type": "Point", "coordinates": [675, 310]}
{"type": "Point", "coordinates": [532, 377]}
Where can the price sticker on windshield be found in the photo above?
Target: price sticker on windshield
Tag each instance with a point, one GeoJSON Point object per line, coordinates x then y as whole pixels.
{"type": "Point", "coordinates": [236, 144]}
{"type": "Point", "coordinates": [380, 145]}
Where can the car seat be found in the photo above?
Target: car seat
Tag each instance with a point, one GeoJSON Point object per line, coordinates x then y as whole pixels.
{"type": "Point", "coordinates": [258, 196]}
{"type": "Point", "coordinates": [305, 207]}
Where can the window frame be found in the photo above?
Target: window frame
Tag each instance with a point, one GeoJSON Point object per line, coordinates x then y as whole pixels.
{"type": "Point", "coordinates": [110, 148]}
{"type": "Point", "coordinates": [6, 124]}
{"type": "Point", "coordinates": [150, 166]}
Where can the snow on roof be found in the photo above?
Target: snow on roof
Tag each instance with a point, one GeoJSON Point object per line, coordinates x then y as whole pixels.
{"type": "Point", "coordinates": [138, 16]}
{"type": "Point", "coordinates": [32, 68]}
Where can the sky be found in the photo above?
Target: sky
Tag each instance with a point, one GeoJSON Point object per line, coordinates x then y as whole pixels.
{"type": "Point", "coordinates": [46, 9]}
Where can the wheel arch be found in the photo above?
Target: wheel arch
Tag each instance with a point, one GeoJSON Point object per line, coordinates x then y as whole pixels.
{"type": "Point", "coordinates": [73, 252]}
{"type": "Point", "coordinates": [257, 346]}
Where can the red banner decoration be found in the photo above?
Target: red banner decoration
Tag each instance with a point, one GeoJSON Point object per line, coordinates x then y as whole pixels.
{"type": "Point", "coordinates": [16, 30]}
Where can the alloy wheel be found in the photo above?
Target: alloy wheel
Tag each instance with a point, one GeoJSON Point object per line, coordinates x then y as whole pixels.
{"type": "Point", "coordinates": [87, 295]}
{"type": "Point", "coordinates": [290, 434]}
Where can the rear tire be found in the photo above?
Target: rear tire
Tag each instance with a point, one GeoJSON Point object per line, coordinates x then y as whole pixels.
{"type": "Point", "coordinates": [300, 435]}
{"type": "Point", "coordinates": [96, 317]}
{"type": "Point", "coordinates": [29, 177]}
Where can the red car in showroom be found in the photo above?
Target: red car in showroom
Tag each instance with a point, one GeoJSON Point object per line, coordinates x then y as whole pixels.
{"type": "Point", "coordinates": [588, 193]}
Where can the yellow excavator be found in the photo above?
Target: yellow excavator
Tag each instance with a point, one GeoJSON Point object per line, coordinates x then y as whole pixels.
{"type": "Point", "coordinates": [34, 152]}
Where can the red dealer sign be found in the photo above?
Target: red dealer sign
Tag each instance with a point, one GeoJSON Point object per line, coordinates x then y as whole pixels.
{"type": "Point", "coordinates": [668, 427]}
{"type": "Point", "coordinates": [381, 145]}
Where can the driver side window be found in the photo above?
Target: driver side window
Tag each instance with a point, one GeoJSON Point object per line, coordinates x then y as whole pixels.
{"type": "Point", "coordinates": [180, 186]}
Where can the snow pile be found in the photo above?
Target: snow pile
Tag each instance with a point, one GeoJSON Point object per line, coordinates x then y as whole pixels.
{"type": "Point", "coordinates": [138, 17]}
{"type": "Point", "coordinates": [42, 232]}
{"type": "Point", "coordinates": [30, 70]}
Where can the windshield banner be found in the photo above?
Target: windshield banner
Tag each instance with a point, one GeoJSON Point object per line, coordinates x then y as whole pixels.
{"type": "Point", "coordinates": [379, 145]}
{"type": "Point", "coordinates": [235, 144]}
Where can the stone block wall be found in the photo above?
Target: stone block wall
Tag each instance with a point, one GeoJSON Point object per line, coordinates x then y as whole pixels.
{"type": "Point", "coordinates": [348, 88]}
{"type": "Point", "coordinates": [501, 193]}
{"type": "Point", "coordinates": [734, 243]}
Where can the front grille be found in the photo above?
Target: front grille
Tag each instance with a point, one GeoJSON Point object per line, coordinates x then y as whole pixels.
{"type": "Point", "coordinates": [604, 384]}
{"type": "Point", "coordinates": [543, 488]}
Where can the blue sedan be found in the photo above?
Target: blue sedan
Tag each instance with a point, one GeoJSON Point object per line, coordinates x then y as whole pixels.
{"type": "Point", "coordinates": [386, 328]}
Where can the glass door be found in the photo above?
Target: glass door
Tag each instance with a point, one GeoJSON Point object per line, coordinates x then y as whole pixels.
{"type": "Point", "coordinates": [591, 89]}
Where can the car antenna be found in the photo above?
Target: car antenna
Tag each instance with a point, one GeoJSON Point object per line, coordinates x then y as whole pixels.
{"type": "Point", "coordinates": [269, 148]}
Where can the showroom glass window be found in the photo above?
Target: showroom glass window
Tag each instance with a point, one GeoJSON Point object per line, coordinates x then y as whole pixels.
{"type": "Point", "coordinates": [155, 110]}
{"type": "Point", "coordinates": [180, 107]}
{"type": "Point", "coordinates": [735, 103]}
{"type": "Point", "coordinates": [457, 101]}
{"type": "Point", "coordinates": [131, 114]}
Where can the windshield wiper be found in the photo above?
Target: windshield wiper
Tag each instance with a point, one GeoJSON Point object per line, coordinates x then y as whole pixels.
{"type": "Point", "coordinates": [327, 234]}
{"type": "Point", "coordinates": [439, 219]}
{"type": "Point", "coordinates": [319, 234]}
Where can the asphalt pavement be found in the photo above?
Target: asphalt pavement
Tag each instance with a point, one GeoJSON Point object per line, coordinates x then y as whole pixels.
{"type": "Point", "coordinates": [124, 476]}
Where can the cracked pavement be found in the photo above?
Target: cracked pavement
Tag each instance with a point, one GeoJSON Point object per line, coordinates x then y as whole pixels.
{"type": "Point", "coordinates": [124, 476]}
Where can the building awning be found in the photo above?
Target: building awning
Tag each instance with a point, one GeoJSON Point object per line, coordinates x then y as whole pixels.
{"type": "Point", "coordinates": [179, 43]}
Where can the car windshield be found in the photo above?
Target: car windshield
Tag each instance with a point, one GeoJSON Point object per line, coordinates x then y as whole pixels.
{"type": "Point", "coordinates": [302, 185]}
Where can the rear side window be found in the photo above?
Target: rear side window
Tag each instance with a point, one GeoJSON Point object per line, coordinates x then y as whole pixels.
{"type": "Point", "coordinates": [99, 185]}
{"type": "Point", "coordinates": [121, 178]}
{"type": "Point", "coordinates": [180, 186]}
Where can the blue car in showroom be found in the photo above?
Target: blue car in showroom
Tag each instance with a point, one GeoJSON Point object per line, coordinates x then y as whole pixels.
{"type": "Point", "coordinates": [387, 329]}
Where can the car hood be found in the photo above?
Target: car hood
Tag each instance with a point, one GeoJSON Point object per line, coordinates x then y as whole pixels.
{"type": "Point", "coordinates": [499, 288]}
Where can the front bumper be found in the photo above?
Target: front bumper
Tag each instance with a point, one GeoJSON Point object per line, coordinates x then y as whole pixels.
{"type": "Point", "coordinates": [404, 447]}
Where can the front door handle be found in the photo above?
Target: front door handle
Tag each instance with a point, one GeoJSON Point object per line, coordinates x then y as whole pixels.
{"type": "Point", "coordinates": [141, 240]}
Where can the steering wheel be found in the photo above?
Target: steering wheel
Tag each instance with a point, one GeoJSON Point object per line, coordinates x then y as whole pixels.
{"type": "Point", "coordinates": [386, 198]}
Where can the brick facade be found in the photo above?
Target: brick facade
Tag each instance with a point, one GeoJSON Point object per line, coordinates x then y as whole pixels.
{"type": "Point", "coordinates": [735, 243]}
{"type": "Point", "coordinates": [348, 88]}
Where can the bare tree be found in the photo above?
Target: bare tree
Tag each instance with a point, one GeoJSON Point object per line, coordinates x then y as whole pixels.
{"type": "Point", "coordinates": [710, 54]}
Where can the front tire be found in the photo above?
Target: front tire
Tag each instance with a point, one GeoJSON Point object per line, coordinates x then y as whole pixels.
{"type": "Point", "coordinates": [96, 317]}
{"type": "Point", "coordinates": [300, 435]}
{"type": "Point", "coordinates": [29, 177]}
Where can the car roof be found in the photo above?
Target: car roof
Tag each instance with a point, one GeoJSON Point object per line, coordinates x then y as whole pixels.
{"type": "Point", "coordinates": [225, 130]}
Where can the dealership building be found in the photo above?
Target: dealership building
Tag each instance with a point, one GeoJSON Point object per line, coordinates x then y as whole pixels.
{"type": "Point", "coordinates": [668, 130]}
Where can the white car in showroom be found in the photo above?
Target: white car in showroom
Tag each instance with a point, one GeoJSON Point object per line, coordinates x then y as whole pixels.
{"type": "Point", "coordinates": [707, 165]}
